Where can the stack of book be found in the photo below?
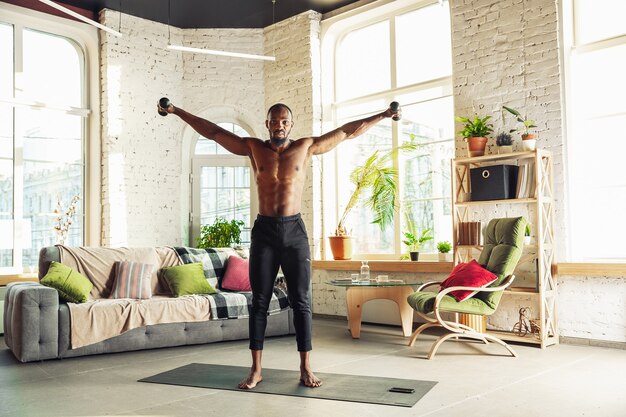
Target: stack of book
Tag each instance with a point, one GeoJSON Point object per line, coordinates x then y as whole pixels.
{"type": "Point", "coordinates": [525, 181]}
{"type": "Point", "coordinates": [468, 233]}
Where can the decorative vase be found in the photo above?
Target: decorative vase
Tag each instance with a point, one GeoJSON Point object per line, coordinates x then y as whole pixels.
{"type": "Point", "coordinates": [476, 145]}
{"type": "Point", "coordinates": [414, 256]}
{"type": "Point", "coordinates": [341, 247]}
{"type": "Point", "coordinates": [529, 142]}
{"type": "Point", "coordinates": [505, 149]}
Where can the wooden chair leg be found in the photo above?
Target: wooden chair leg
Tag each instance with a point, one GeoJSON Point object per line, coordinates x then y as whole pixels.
{"type": "Point", "coordinates": [501, 342]}
{"type": "Point", "coordinates": [478, 336]}
{"type": "Point", "coordinates": [420, 330]}
{"type": "Point", "coordinates": [438, 342]}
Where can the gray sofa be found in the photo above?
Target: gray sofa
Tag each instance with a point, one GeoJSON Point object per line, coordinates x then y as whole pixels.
{"type": "Point", "coordinates": [37, 325]}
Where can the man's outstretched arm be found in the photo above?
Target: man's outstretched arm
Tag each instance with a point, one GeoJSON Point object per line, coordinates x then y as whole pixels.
{"type": "Point", "coordinates": [210, 130]}
{"type": "Point", "coordinates": [350, 130]}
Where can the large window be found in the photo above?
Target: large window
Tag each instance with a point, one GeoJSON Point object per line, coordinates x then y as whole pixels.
{"type": "Point", "coordinates": [42, 136]}
{"type": "Point", "coordinates": [596, 139]}
{"type": "Point", "coordinates": [221, 186]}
{"type": "Point", "coordinates": [404, 56]}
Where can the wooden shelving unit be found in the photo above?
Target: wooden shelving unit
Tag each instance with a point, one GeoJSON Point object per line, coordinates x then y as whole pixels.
{"type": "Point", "coordinates": [542, 253]}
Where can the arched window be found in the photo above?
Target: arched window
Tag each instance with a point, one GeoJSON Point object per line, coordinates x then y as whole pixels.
{"type": "Point", "coordinates": [43, 119]}
{"type": "Point", "coordinates": [221, 185]}
{"type": "Point", "coordinates": [399, 55]}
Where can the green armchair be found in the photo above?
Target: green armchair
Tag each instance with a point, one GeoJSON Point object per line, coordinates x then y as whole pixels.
{"type": "Point", "coordinates": [503, 243]}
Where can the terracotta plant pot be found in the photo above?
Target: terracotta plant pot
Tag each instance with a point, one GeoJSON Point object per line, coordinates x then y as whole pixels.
{"type": "Point", "coordinates": [341, 247]}
{"type": "Point", "coordinates": [529, 142]}
{"type": "Point", "coordinates": [476, 146]}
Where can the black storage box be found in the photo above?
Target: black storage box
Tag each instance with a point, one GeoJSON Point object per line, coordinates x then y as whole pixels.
{"type": "Point", "coordinates": [495, 182]}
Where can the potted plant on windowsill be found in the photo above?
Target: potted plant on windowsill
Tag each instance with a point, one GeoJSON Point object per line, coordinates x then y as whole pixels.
{"type": "Point", "coordinates": [475, 132]}
{"type": "Point", "coordinates": [413, 241]}
{"type": "Point", "coordinates": [529, 141]}
{"type": "Point", "coordinates": [444, 250]}
{"type": "Point", "coordinates": [380, 179]}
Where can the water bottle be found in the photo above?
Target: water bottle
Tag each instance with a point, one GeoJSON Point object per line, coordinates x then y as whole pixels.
{"type": "Point", "coordinates": [365, 271]}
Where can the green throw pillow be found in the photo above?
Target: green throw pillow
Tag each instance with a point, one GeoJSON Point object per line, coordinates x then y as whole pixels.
{"type": "Point", "coordinates": [187, 279]}
{"type": "Point", "coordinates": [71, 285]}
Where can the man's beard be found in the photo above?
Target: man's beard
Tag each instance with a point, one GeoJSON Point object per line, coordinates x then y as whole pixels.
{"type": "Point", "coordinates": [277, 140]}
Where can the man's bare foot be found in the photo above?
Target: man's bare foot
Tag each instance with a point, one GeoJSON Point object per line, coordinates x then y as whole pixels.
{"type": "Point", "coordinates": [251, 381]}
{"type": "Point", "coordinates": [308, 379]}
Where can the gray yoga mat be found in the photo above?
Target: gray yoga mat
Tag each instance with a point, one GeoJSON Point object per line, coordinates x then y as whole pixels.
{"type": "Point", "coordinates": [357, 388]}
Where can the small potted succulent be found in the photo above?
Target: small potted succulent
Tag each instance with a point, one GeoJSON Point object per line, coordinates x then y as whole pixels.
{"type": "Point", "coordinates": [413, 241]}
{"type": "Point", "coordinates": [529, 140]}
{"type": "Point", "coordinates": [527, 234]}
{"type": "Point", "coordinates": [475, 132]}
{"type": "Point", "coordinates": [505, 142]}
{"type": "Point", "coordinates": [444, 250]}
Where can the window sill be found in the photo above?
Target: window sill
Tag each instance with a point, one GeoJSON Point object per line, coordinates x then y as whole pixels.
{"type": "Point", "coordinates": [5, 279]}
{"type": "Point", "coordinates": [386, 266]}
{"type": "Point", "coordinates": [592, 269]}
{"type": "Point", "coordinates": [564, 268]}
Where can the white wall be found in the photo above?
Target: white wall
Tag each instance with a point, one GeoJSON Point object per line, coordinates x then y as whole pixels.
{"type": "Point", "coordinates": [141, 151]}
{"type": "Point", "coordinates": [146, 157]}
{"type": "Point", "coordinates": [294, 79]}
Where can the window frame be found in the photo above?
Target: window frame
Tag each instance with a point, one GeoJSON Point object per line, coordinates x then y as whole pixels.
{"type": "Point", "coordinates": [85, 39]}
{"type": "Point", "coordinates": [334, 30]}
{"type": "Point", "coordinates": [217, 160]}
{"type": "Point", "coordinates": [573, 45]}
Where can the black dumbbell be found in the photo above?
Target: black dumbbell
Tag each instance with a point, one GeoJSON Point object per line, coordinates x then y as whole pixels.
{"type": "Point", "coordinates": [395, 106]}
{"type": "Point", "coordinates": [164, 103]}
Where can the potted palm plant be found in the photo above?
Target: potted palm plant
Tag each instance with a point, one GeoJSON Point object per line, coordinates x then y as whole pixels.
{"type": "Point", "coordinates": [528, 139]}
{"type": "Point", "coordinates": [475, 132]}
{"type": "Point", "coordinates": [377, 177]}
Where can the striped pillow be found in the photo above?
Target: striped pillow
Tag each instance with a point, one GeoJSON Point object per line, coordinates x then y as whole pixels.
{"type": "Point", "coordinates": [132, 280]}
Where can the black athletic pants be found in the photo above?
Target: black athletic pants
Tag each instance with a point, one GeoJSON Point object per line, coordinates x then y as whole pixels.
{"type": "Point", "coordinates": [280, 242]}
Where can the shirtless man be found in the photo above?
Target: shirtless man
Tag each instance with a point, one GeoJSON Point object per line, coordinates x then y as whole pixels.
{"type": "Point", "coordinates": [279, 236]}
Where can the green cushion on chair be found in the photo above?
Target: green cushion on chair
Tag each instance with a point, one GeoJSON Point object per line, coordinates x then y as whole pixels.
{"type": "Point", "coordinates": [503, 244]}
{"type": "Point", "coordinates": [424, 302]}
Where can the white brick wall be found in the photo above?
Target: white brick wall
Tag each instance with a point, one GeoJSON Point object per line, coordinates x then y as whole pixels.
{"type": "Point", "coordinates": [145, 156]}
{"type": "Point", "coordinates": [592, 308]}
{"type": "Point", "coordinates": [294, 80]}
{"type": "Point", "coordinates": [140, 153]}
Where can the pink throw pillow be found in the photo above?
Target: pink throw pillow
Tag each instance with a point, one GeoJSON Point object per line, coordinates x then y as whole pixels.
{"type": "Point", "coordinates": [132, 280]}
{"type": "Point", "coordinates": [236, 277]}
{"type": "Point", "coordinates": [470, 274]}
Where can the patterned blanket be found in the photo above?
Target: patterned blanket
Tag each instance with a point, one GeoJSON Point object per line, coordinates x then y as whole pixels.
{"type": "Point", "coordinates": [225, 304]}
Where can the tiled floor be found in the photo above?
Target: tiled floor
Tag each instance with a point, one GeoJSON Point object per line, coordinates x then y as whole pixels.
{"type": "Point", "coordinates": [564, 380]}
